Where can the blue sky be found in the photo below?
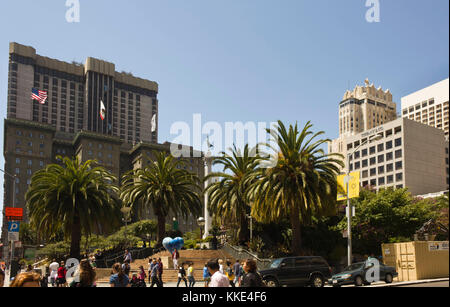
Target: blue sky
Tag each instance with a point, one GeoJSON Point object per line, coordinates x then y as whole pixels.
{"type": "Point", "coordinates": [242, 60]}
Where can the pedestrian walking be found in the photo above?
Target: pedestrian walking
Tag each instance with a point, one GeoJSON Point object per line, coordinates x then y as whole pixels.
{"type": "Point", "coordinates": [237, 272]}
{"type": "Point", "coordinates": [175, 257]}
{"type": "Point", "coordinates": [182, 275]}
{"type": "Point", "coordinates": [2, 277]}
{"type": "Point", "coordinates": [61, 276]}
{"type": "Point", "coordinates": [142, 276]}
{"type": "Point", "coordinates": [127, 256]}
{"type": "Point", "coordinates": [251, 278]}
{"type": "Point", "coordinates": [150, 266]}
{"type": "Point", "coordinates": [221, 266]}
{"type": "Point", "coordinates": [118, 278]}
{"type": "Point", "coordinates": [86, 275]}
{"type": "Point", "coordinates": [190, 274]}
{"type": "Point", "coordinates": [206, 275]}
{"type": "Point", "coordinates": [230, 274]}
{"type": "Point", "coordinates": [217, 279]}
{"type": "Point", "coordinates": [53, 272]}
{"type": "Point", "coordinates": [160, 272]}
{"type": "Point", "coordinates": [154, 275]}
{"type": "Point", "coordinates": [126, 268]}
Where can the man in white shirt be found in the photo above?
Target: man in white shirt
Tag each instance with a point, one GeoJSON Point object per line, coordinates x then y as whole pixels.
{"type": "Point", "coordinates": [217, 279]}
{"type": "Point", "coordinates": [53, 272]}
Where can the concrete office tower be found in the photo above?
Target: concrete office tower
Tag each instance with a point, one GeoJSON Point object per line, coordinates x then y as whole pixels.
{"type": "Point", "coordinates": [409, 154]}
{"type": "Point", "coordinates": [429, 106]}
{"type": "Point", "coordinates": [364, 108]}
{"type": "Point", "coordinates": [74, 94]}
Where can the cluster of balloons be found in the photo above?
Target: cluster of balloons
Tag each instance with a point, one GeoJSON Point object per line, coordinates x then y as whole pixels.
{"type": "Point", "coordinates": [172, 244]}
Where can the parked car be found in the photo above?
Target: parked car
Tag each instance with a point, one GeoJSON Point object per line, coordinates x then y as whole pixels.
{"type": "Point", "coordinates": [356, 274]}
{"type": "Point", "coordinates": [297, 272]}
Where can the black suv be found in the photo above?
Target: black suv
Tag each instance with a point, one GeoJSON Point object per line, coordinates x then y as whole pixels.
{"type": "Point", "coordinates": [297, 271]}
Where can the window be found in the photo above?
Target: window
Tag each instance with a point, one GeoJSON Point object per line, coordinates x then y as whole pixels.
{"type": "Point", "coordinates": [30, 163]}
{"type": "Point", "coordinates": [372, 150]}
{"type": "Point", "coordinates": [29, 172]}
{"type": "Point", "coordinates": [389, 156]}
{"type": "Point", "coordinates": [364, 152]}
{"type": "Point", "coordinates": [390, 167]}
{"type": "Point", "coordinates": [381, 170]}
{"type": "Point", "coordinates": [399, 177]}
{"type": "Point", "coordinates": [364, 163]}
{"type": "Point", "coordinates": [398, 130]}
{"type": "Point", "coordinates": [373, 182]}
{"type": "Point", "coordinates": [41, 163]}
{"type": "Point", "coordinates": [381, 181]}
{"type": "Point", "coordinates": [17, 160]}
{"type": "Point", "coordinates": [373, 172]}
{"type": "Point", "coordinates": [389, 145]}
{"type": "Point", "coordinates": [17, 171]}
{"type": "Point", "coordinates": [398, 153]}
{"type": "Point", "coordinates": [373, 161]}
{"type": "Point", "coordinates": [390, 179]}
{"type": "Point", "coordinates": [398, 165]}
{"type": "Point", "coordinates": [357, 155]}
{"type": "Point", "coordinates": [357, 165]}
{"type": "Point", "coordinates": [380, 158]}
{"type": "Point", "coordinates": [398, 142]}
{"type": "Point", "coordinates": [365, 174]}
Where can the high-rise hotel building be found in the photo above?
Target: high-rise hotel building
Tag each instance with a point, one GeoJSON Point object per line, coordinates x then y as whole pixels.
{"type": "Point", "coordinates": [74, 94]}
{"type": "Point", "coordinates": [405, 153]}
{"type": "Point", "coordinates": [362, 109]}
{"type": "Point", "coordinates": [69, 123]}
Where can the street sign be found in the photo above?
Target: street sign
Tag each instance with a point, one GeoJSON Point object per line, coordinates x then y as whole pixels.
{"type": "Point", "coordinates": [13, 226]}
{"type": "Point", "coordinates": [14, 213]}
{"type": "Point", "coordinates": [13, 236]}
{"type": "Point", "coordinates": [353, 183]}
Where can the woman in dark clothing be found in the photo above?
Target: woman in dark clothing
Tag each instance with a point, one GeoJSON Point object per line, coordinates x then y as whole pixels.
{"type": "Point", "coordinates": [251, 277]}
{"type": "Point", "coordinates": [182, 275]}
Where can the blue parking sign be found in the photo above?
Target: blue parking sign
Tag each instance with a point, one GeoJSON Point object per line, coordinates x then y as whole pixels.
{"type": "Point", "coordinates": [13, 226]}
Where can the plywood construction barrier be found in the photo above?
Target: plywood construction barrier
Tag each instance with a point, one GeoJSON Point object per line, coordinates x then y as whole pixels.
{"type": "Point", "coordinates": [417, 260]}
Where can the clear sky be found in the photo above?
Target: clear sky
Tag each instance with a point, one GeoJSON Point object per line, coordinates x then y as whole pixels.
{"type": "Point", "coordinates": [242, 60]}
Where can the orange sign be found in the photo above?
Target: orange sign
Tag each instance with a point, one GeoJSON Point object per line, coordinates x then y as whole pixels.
{"type": "Point", "coordinates": [14, 212]}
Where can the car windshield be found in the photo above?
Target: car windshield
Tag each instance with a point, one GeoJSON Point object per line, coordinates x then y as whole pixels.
{"type": "Point", "coordinates": [354, 267]}
{"type": "Point", "coordinates": [275, 264]}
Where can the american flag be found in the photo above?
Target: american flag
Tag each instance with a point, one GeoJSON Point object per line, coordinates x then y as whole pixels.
{"type": "Point", "coordinates": [38, 95]}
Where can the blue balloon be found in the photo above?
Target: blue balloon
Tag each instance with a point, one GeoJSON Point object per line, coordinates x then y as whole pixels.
{"type": "Point", "coordinates": [178, 243]}
{"type": "Point", "coordinates": [168, 244]}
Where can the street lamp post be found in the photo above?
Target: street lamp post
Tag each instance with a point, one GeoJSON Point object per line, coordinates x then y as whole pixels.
{"type": "Point", "coordinates": [14, 177]}
{"type": "Point", "coordinates": [201, 224]}
{"type": "Point", "coordinates": [349, 205]}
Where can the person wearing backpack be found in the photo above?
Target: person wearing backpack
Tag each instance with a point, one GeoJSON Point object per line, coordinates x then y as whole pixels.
{"type": "Point", "coordinates": [229, 273]}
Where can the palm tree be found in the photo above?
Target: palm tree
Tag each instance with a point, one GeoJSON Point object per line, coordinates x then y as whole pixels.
{"type": "Point", "coordinates": [228, 197]}
{"type": "Point", "coordinates": [164, 186]}
{"type": "Point", "coordinates": [76, 198]}
{"type": "Point", "coordinates": [301, 184]}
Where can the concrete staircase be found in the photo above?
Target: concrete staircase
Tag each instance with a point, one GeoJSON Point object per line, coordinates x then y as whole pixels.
{"type": "Point", "coordinates": [197, 257]}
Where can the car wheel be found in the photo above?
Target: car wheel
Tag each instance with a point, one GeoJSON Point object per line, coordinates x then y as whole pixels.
{"type": "Point", "coordinates": [389, 279]}
{"type": "Point", "coordinates": [317, 281]}
{"type": "Point", "coordinates": [271, 282]}
{"type": "Point", "coordinates": [359, 281]}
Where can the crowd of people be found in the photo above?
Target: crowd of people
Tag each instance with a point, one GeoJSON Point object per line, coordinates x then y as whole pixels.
{"type": "Point", "coordinates": [216, 273]}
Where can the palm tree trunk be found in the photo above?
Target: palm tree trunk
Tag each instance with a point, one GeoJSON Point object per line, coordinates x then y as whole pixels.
{"type": "Point", "coordinates": [244, 232]}
{"type": "Point", "coordinates": [296, 231]}
{"type": "Point", "coordinates": [161, 228]}
{"type": "Point", "coordinates": [75, 238]}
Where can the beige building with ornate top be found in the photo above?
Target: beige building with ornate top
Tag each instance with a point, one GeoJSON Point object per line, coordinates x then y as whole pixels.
{"type": "Point", "coordinates": [362, 109]}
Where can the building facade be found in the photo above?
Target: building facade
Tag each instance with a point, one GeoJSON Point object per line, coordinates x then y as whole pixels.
{"type": "Point", "coordinates": [409, 155]}
{"type": "Point", "coordinates": [362, 109]}
{"type": "Point", "coordinates": [74, 94]}
{"type": "Point", "coordinates": [69, 123]}
{"type": "Point", "coordinates": [429, 106]}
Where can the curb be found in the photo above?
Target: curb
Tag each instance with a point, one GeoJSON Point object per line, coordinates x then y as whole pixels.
{"type": "Point", "coordinates": [415, 282]}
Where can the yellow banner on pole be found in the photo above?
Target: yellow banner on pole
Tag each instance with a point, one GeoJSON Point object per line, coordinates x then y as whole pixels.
{"type": "Point", "coordinates": [353, 183]}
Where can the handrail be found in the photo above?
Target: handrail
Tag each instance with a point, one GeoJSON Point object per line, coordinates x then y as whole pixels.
{"type": "Point", "coordinates": [262, 263]}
